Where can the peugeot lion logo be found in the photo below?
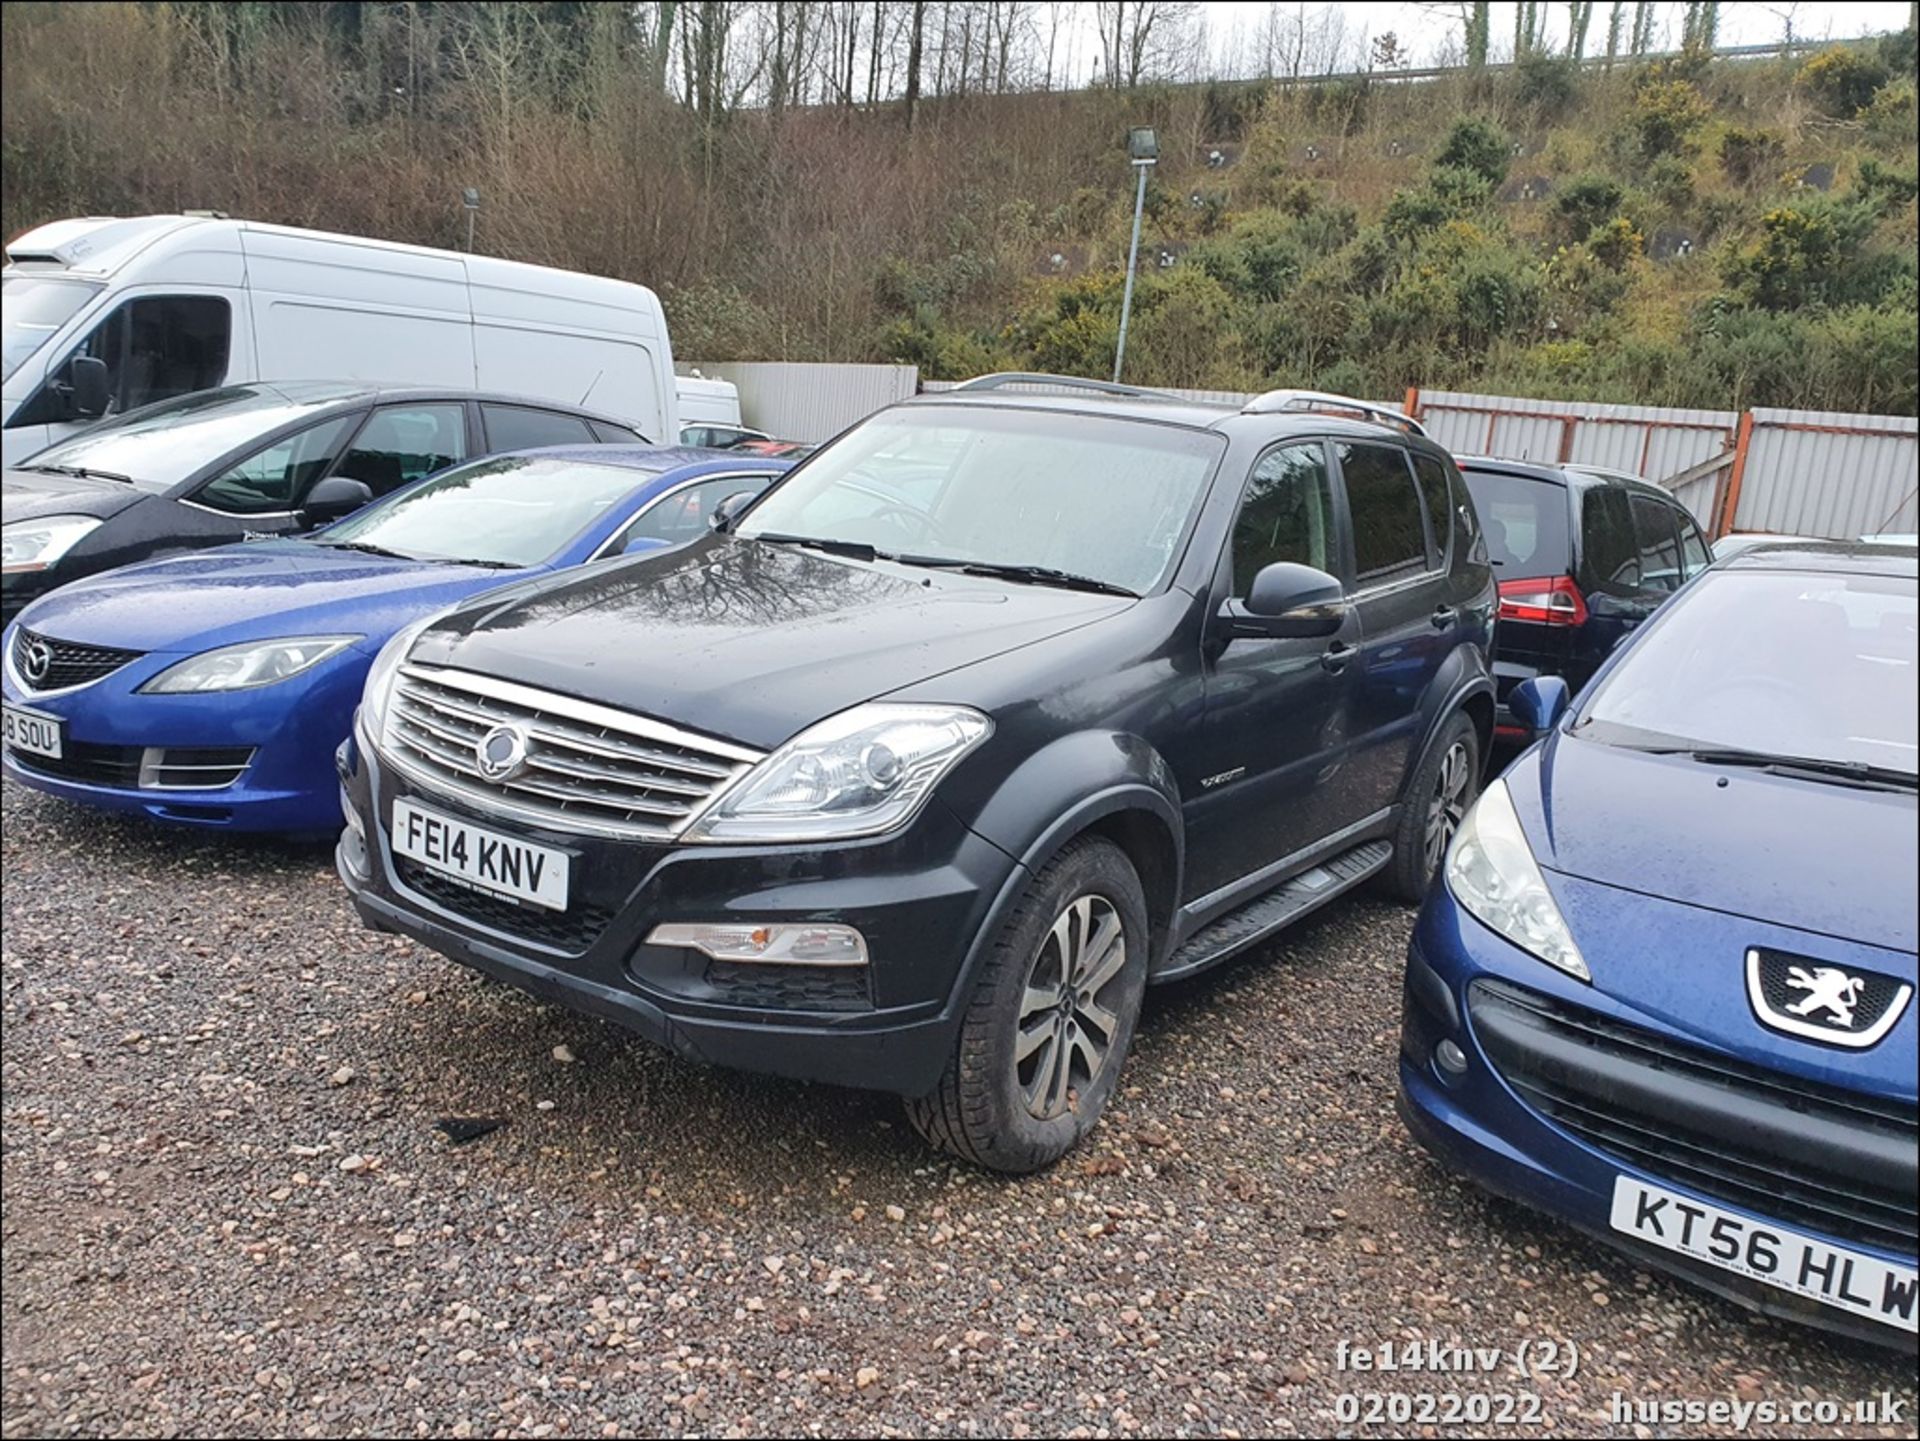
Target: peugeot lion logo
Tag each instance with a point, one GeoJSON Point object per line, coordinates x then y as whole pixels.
{"type": "Point", "coordinates": [35, 661]}
{"type": "Point", "coordinates": [1834, 1004]}
{"type": "Point", "coordinates": [501, 754]}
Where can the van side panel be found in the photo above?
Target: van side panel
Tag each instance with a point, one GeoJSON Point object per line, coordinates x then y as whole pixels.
{"type": "Point", "coordinates": [584, 339]}
{"type": "Point", "coordinates": [329, 308]}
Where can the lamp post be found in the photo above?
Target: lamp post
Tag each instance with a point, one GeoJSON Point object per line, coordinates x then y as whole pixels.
{"type": "Point", "coordinates": [1143, 150]}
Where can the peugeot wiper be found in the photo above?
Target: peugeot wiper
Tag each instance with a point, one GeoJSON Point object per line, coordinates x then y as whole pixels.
{"type": "Point", "coordinates": [1031, 574]}
{"type": "Point", "coordinates": [857, 549]}
{"type": "Point", "coordinates": [81, 472]}
{"type": "Point", "coordinates": [367, 548]}
{"type": "Point", "coordinates": [1861, 773]}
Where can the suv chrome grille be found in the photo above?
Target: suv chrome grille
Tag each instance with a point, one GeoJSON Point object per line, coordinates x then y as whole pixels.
{"type": "Point", "coordinates": [41, 663]}
{"type": "Point", "coordinates": [587, 767]}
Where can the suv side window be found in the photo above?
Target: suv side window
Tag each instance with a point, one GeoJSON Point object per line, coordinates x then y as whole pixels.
{"type": "Point", "coordinates": [155, 347]}
{"type": "Point", "coordinates": [404, 442]}
{"type": "Point", "coordinates": [520, 427]}
{"type": "Point", "coordinates": [1610, 554]}
{"type": "Point", "coordinates": [1466, 517]}
{"type": "Point", "coordinates": [1694, 555]}
{"type": "Point", "coordinates": [1658, 542]}
{"type": "Point", "coordinates": [1433, 490]}
{"type": "Point", "coordinates": [1286, 514]}
{"type": "Point", "coordinates": [272, 479]}
{"type": "Point", "coordinates": [1389, 530]}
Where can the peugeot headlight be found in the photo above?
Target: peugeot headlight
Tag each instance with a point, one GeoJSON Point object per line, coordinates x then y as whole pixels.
{"type": "Point", "coordinates": [39, 544]}
{"type": "Point", "coordinates": [1492, 872]}
{"type": "Point", "coordinates": [248, 666]}
{"type": "Point", "coordinates": [859, 773]}
{"type": "Point", "coordinates": [381, 675]}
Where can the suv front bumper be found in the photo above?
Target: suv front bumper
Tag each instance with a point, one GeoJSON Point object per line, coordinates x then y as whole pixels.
{"type": "Point", "coordinates": [922, 900]}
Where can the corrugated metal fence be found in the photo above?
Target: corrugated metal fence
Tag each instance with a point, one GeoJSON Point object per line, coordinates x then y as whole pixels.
{"type": "Point", "coordinates": [1789, 472]}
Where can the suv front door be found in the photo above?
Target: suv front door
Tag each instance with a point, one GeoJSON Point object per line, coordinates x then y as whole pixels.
{"type": "Point", "coordinates": [1273, 775]}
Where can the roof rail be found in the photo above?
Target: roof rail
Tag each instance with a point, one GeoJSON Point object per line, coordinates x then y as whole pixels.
{"type": "Point", "coordinates": [1276, 402]}
{"type": "Point", "coordinates": [999, 380]}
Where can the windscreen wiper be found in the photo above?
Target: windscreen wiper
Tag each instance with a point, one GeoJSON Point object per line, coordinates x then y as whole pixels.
{"type": "Point", "coordinates": [1031, 574]}
{"type": "Point", "coordinates": [81, 472]}
{"type": "Point", "coordinates": [367, 548]}
{"type": "Point", "coordinates": [1862, 773]}
{"type": "Point", "coordinates": [857, 549]}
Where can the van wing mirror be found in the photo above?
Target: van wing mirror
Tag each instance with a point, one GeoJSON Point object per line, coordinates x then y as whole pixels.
{"type": "Point", "coordinates": [89, 389]}
{"type": "Point", "coordinates": [724, 513]}
{"type": "Point", "coordinates": [334, 498]}
{"type": "Point", "coordinates": [1288, 601]}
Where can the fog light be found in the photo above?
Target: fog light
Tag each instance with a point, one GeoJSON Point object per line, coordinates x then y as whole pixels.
{"type": "Point", "coordinates": [1450, 1058]}
{"type": "Point", "coordinates": [791, 943]}
{"type": "Point", "coordinates": [353, 845]}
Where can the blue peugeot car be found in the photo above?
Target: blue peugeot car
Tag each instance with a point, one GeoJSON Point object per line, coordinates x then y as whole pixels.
{"type": "Point", "coordinates": [1665, 991]}
{"type": "Point", "coordinates": [212, 689]}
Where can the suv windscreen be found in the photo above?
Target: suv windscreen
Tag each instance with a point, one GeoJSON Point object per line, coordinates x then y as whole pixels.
{"type": "Point", "coordinates": [1524, 523]}
{"type": "Point", "coordinates": [513, 511]}
{"type": "Point", "coordinates": [1100, 497]}
{"type": "Point", "coordinates": [1820, 667]}
{"type": "Point", "coordinates": [32, 307]}
{"type": "Point", "coordinates": [160, 446]}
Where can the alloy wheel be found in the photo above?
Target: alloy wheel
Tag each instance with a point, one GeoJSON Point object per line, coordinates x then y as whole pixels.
{"type": "Point", "coordinates": [1448, 804]}
{"type": "Point", "coordinates": [1066, 1032]}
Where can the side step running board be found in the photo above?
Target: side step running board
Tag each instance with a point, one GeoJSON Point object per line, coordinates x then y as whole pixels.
{"type": "Point", "coordinates": [1265, 914]}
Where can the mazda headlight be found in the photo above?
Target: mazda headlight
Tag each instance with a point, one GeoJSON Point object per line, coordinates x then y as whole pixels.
{"type": "Point", "coordinates": [248, 666]}
{"type": "Point", "coordinates": [39, 544]}
{"type": "Point", "coordinates": [859, 773]}
{"type": "Point", "coordinates": [382, 674]}
{"type": "Point", "coordinates": [1492, 872]}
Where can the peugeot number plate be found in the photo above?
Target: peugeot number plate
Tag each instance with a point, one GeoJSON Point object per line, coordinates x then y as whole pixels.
{"type": "Point", "coordinates": [30, 731]}
{"type": "Point", "coordinates": [482, 858]}
{"type": "Point", "coordinates": [1846, 1280]}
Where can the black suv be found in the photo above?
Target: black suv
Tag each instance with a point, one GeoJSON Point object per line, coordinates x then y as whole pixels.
{"type": "Point", "coordinates": [1583, 556]}
{"type": "Point", "coordinates": [914, 773]}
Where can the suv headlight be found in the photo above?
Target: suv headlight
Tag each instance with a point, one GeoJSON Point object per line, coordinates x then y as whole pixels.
{"type": "Point", "coordinates": [1492, 872]}
{"type": "Point", "coordinates": [248, 666]}
{"type": "Point", "coordinates": [39, 544]}
{"type": "Point", "coordinates": [382, 674]}
{"type": "Point", "coordinates": [859, 773]}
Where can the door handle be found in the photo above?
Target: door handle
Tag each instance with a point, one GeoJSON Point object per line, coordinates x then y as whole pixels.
{"type": "Point", "coordinates": [1444, 617]}
{"type": "Point", "coordinates": [1335, 657]}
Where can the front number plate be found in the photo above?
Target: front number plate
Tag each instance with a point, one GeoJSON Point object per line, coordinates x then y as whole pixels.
{"type": "Point", "coordinates": [482, 858]}
{"type": "Point", "coordinates": [31, 731]}
{"type": "Point", "coordinates": [1846, 1280]}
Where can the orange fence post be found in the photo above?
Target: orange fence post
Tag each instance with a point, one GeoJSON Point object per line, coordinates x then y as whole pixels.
{"type": "Point", "coordinates": [1730, 506]}
{"type": "Point", "coordinates": [1413, 401]}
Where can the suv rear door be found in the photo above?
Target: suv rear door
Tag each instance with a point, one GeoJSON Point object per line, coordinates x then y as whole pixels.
{"type": "Point", "coordinates": [1407, 617]}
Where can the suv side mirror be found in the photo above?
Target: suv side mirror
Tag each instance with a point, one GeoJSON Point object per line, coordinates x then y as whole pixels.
{"type": "Point", "coordinates": [724, 513]}
{"type": "Point", "coordinates": [1289, 601]}
{"type": "Point", "coordinates": [89, 390]}
{"type": "Point", "coordinates": [335, 497]}
{"type": "Point", "coordinates": [1538, 703]}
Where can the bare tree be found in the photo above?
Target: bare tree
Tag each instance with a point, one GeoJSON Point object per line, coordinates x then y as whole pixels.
{"type": "Point", "coordinates": [1579, 17]}
{"type": "Point", "coordinates": [1614, 17]}
{"type": "Point", "coordinates": [916, 53]}
{"type": "Point", "coordinates": [1476, 26]}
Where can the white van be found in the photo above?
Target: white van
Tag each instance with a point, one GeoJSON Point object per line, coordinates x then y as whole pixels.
{"type": "Point", "coordinates": [160, 305]}
{"type": "Point", "coordinates": [710, 413]}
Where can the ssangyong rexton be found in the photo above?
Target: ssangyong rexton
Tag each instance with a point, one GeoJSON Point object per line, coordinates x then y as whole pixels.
{"type": "Point", "coordinates": [917, 770]}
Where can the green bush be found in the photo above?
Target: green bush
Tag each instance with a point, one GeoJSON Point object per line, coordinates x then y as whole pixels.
{"type": "Point", "coordinates": [1751, 157]}
{"type": "Point", "coordinates": [1584, 202]}
{"type": "Point", "coordinates": [1841, 81]}
{"type": "Point", "coordinates": [1547, 82]}
{"type": "Point", "coordinates": [1893, 118]}
{"type": "Point", "coordinates": [1792, 263]}
{"type": "Point", "coordinates": [1616, 243]}
{"type": "Point", "coordinates": [1477, 144]}
{"type": "Point", "coordinates": [1666, 116]}
{"type": "Point", "coordinates": [1669, 181]}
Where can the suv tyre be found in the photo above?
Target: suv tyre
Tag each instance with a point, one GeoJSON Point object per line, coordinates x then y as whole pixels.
{"type": "Point", "coordinates": [1437, 799]}
{"type": "Point", "coordinates": [1043, 1039]}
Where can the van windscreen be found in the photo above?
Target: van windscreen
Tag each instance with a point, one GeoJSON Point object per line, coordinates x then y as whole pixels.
{"type": "Point", "coordinates": [1525, 523]}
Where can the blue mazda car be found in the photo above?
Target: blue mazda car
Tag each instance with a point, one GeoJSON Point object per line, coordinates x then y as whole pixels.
{"type": "Point", "coordinates": [1665, 991]}
{"type": "Point", "coordinates": [212, 689]}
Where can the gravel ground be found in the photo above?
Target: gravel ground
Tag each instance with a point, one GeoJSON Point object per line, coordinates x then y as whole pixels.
{"type": "Point", "coordinates": [228, 1210]}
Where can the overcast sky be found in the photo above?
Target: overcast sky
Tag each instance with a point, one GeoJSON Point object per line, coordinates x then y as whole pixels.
{"type": "Point", "coordinates": [1428, 32]}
